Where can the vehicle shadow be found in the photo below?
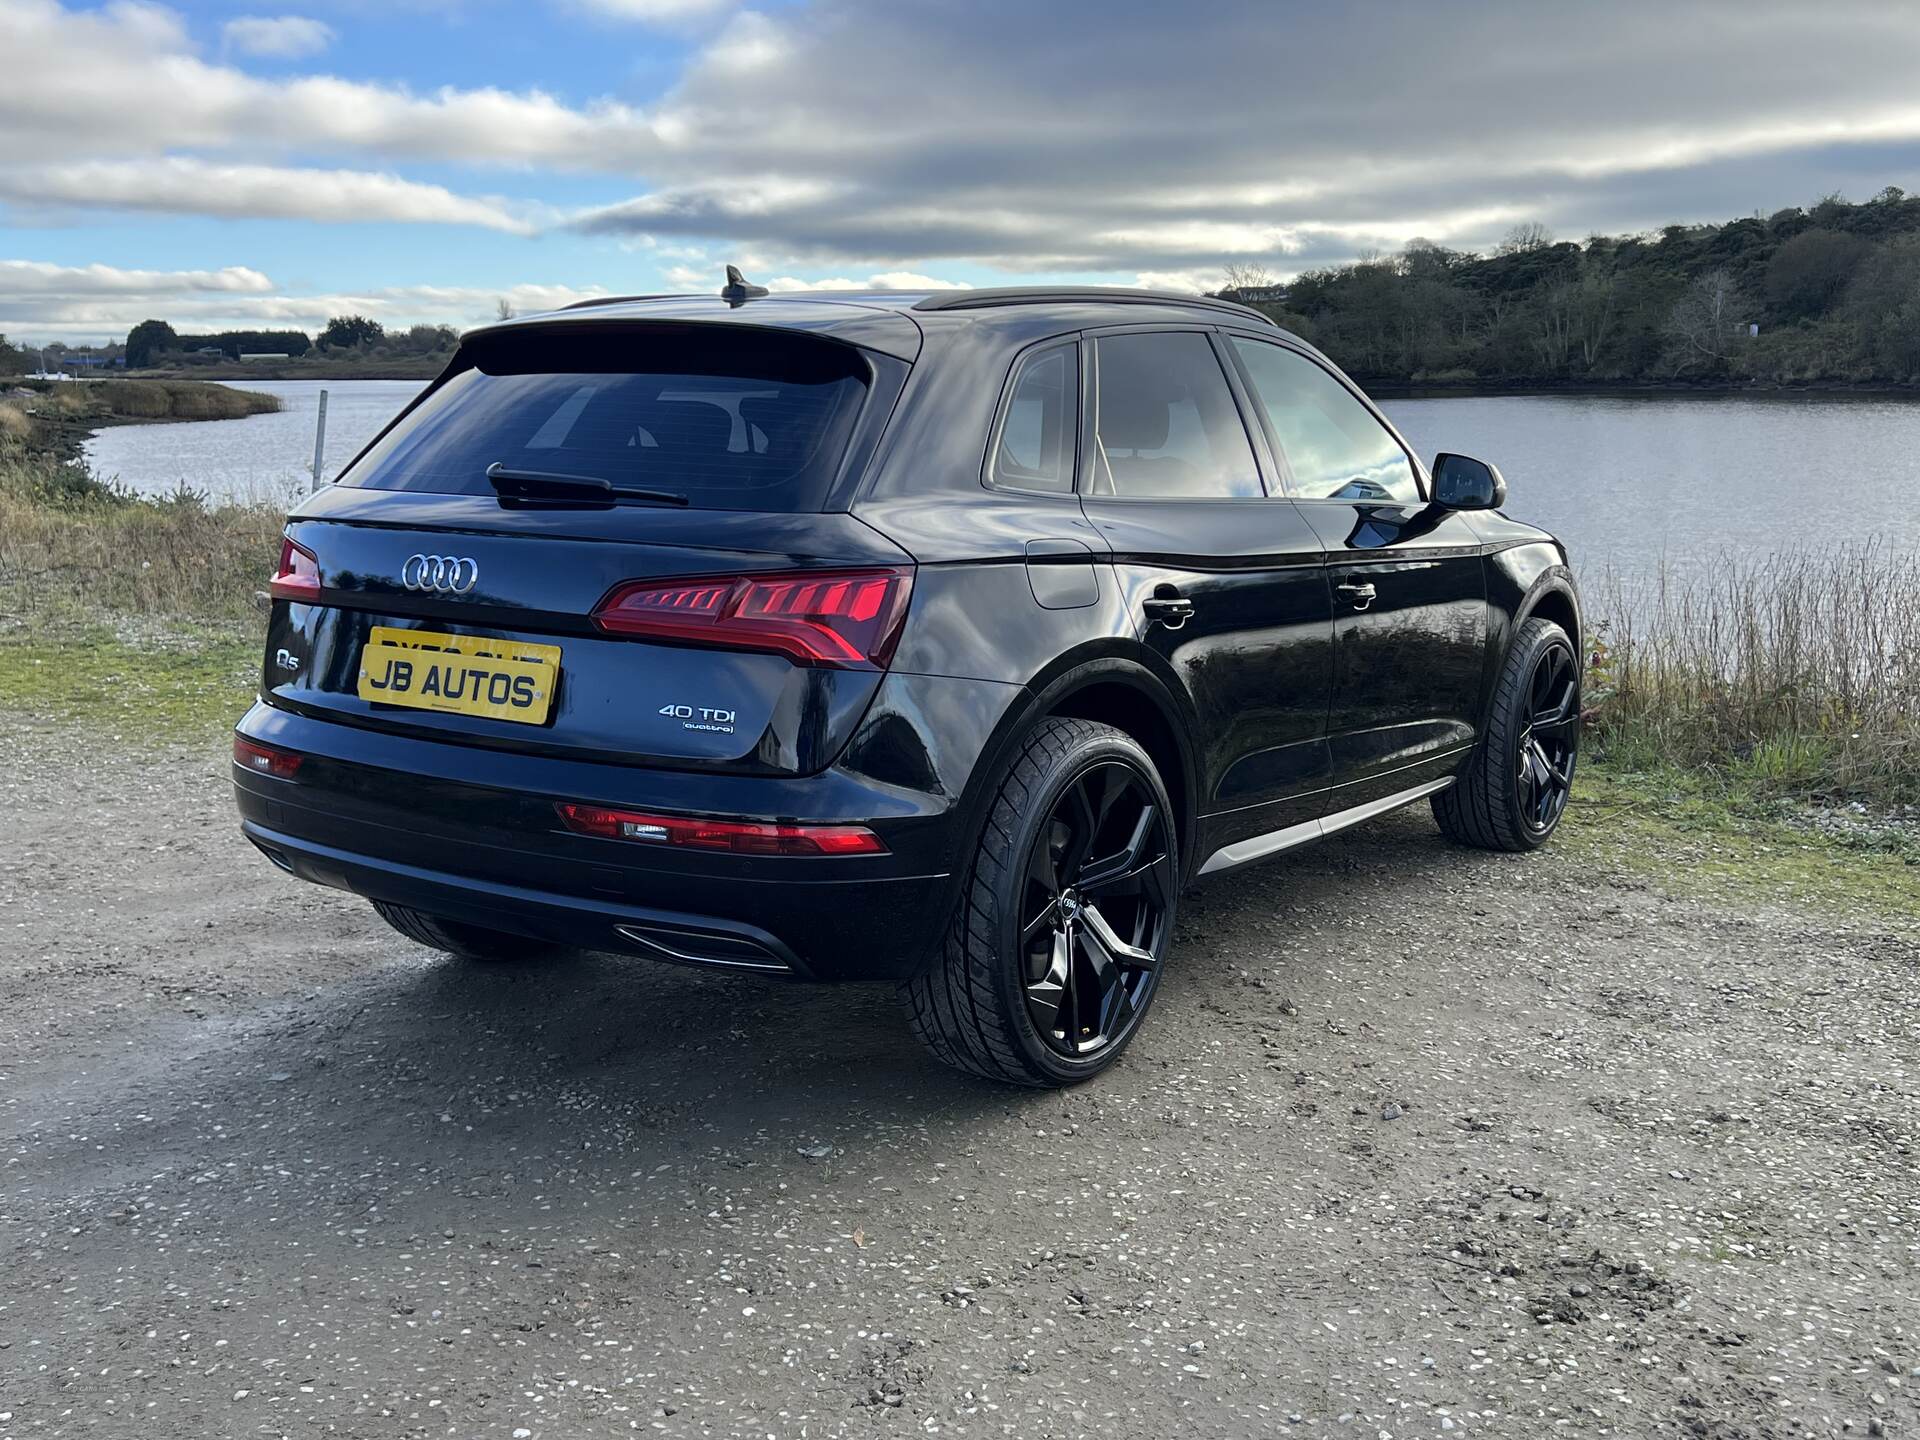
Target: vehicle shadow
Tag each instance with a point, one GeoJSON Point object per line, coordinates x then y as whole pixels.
{"type": "Point", "coordinates": [603, 1068]}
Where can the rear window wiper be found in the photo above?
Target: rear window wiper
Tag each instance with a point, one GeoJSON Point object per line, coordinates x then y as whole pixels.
{"type": "Point", "coordinates": [510, 483]}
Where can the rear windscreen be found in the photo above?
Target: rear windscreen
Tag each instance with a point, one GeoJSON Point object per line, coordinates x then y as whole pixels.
{"type": "Point", "coordinates": [731, 419]}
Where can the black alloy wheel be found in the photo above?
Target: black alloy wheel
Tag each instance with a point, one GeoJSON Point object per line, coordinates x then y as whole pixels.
{"type": "Point", "coordinates": [1095, 910]}
{"type": "Point", "coordinates": [1512, 791]}
{"type": "Point", "coordinates": [1551, 732]}
{"type": "Point", "coordinates": [1060, 934]}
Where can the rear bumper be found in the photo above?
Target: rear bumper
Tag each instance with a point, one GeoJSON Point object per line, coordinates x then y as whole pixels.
{"type": "Point", "coordinates": [472, 834]}
{"type": "Point", "coordinates": [887, 942]}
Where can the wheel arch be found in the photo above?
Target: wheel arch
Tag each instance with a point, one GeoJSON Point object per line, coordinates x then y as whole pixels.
{"type": "Point", "coordinates": [1121, 700]}
{"type": "Point", "coordinates": [1116, 690]}
{"type": "Point", "coordinates": [1554, 598]}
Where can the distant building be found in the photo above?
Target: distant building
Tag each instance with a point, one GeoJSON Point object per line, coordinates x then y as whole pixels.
{"type": "Point", "coordinates": [265, 355]}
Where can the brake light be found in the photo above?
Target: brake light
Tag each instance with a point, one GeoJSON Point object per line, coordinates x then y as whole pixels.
{"type": "Point", "coordinates": [298, 577]}
{"type": "Point", "coordinates": [265, 759]}
{"type": "Point", "coordinates": [740, 837]}
{"type": "Point", "coordinates": [846, 618]}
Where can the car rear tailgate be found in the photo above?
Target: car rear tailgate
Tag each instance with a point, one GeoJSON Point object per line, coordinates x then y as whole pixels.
{"type": "Point", "coordinates": [535, 577]}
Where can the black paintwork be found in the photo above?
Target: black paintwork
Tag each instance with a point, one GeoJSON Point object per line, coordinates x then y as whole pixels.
{"type": "Point", "coordinates": [1217, 631]}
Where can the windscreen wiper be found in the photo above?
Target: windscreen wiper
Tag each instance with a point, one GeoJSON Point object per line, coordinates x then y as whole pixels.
{"type": "Point", "coordinates": [543, 486]}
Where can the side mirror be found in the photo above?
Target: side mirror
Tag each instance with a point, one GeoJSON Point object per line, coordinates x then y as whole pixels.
{"type": "Point", "coordinates": [1461, 482]}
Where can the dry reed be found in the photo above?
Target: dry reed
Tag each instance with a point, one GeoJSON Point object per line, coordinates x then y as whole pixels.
{"type": "Point", "coordinates": [1797, 672]}
{"type": "Point", "coordinates": [71, 548]}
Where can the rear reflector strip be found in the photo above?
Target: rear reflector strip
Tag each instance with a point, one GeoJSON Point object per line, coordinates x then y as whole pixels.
{"type": "Point", "coordinates": [265, 759]}
{"type": "Point", "coordinates": [739, 837]}
{"type": "Point", "coordinates": [845, 618]}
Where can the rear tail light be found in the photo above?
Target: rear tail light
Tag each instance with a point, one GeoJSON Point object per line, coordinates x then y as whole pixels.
{"type": "Point", "coordinates": [845, 618]}
{"type": "Point", "coordinates": [298, 577]}
{"type": "Point", "coordinates": [739, 837]}
{"type": "Point", "coordinates": [265, 759]}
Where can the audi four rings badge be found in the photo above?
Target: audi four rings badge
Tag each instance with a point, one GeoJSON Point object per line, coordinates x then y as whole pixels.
{"type": "Point", "coordinates": [442, 574]}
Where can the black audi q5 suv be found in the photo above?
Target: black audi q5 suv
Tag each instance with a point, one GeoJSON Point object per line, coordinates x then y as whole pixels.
{"type": "Point", "coordinates": [931, 639]}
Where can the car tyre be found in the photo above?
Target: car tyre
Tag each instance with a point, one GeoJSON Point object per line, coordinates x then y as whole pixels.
{"type": "Point", "coordinates": [1513, 790]}
{"type": "Point", "coordinates": [457, 937]}
{"type": "Point", "coordinates": [1039, 991]}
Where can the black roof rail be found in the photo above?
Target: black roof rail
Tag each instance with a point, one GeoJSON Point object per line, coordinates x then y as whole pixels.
{"type": "Point", "coordinates": [1091, 294]}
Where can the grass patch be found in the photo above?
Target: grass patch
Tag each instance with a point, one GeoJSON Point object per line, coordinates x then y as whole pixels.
{"type": "Point", "coordinates": [102, 684]}
{"type": "Point", "coordinates": [121, 615]}
{"type": "Point", "coordinates": [1688, 833]}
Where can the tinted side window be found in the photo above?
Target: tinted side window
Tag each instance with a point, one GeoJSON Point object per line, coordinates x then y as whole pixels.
{"type": "Point", "coordinates": [1166, 425]}
{"type": "Point", "coordinates": [1038, 432]}
{"type": "Point", "coordinates": [1334, 447]}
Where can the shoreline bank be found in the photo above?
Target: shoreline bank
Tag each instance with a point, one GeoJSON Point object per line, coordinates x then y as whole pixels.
{"type": "Point", "coordinates": [60, 416]}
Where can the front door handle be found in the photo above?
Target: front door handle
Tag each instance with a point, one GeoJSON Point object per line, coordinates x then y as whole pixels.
{"type": "Point", "coordinates": [1359, 592]}
{"type": "Point", "coordinates": [1172, 611]}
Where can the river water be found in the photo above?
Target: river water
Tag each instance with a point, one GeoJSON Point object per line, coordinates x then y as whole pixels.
{"type": "Point", "coordinates": [263, 457]}
{"type": "Point", "coordinates": [1626, 481]}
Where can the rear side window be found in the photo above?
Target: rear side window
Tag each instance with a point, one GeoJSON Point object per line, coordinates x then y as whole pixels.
{"type": "Point", "coordinates": [1334, 448]}
{"type": "Point", "coordinates": [1166, 422]}
{"type": "Point", "coordinates": [732, 419]}
{"type": "Point", "coordinates": [1038, 431]}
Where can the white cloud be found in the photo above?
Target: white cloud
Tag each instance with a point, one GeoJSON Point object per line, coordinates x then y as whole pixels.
{"type": "Point", "coordinates": [751, 43]}
{"type": "Point", "coordinates": [702, 278]}
{"type": "Point", "coordinates": [886, 280]}
{"type": "Point", "coordinates": [66, 96]}
{"type": "Point", "coordinates": [54, 302]}
{"type": "Point", "coordinates": [1194, 282]}
{"type": "Point", "coordinates": [909, 280]}
{"type": "Point", "coordinates": [1179, 138]}
{"type": "Point", "coordinates": [181, 186]}
{"type": "Point", "coordinates": [849, 138]}
{"type": "Point", "coordinates": [657, 12]}
{"type": "Point", "coordinates": [283, 37]}
{"type": "Point", "coordinates": [20, 278]}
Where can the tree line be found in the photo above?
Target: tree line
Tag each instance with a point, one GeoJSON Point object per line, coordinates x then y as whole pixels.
{"type": "Point", "coordinates": [154, 342]}
{"type": "Point", "coordinates": [1828, 293]}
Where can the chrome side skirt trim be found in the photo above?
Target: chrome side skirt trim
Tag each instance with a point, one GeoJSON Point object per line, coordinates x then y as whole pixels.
{"type": "Point", "coordinates": [1257, 847]}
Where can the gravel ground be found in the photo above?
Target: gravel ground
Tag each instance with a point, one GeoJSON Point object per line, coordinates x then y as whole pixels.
{"type": "Point", "coordinates": [1418, 1141]}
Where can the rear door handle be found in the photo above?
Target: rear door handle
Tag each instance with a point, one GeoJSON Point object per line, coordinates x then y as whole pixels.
{"type": "Point", "coordinates": [1172, 611]}
{"type": "Point", "coordinates": [1359, 592]}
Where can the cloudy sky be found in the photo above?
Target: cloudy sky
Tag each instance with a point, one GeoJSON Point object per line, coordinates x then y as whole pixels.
{"type": "Point", "coordinates": [233, 163]}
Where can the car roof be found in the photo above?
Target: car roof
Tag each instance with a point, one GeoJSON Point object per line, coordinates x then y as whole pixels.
{"type": "Point", "coordinates": [891, 321]}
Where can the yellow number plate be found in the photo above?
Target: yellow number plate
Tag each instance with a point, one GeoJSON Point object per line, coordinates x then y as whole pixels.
{"type": "Point", "coordinates": [462, 674]}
